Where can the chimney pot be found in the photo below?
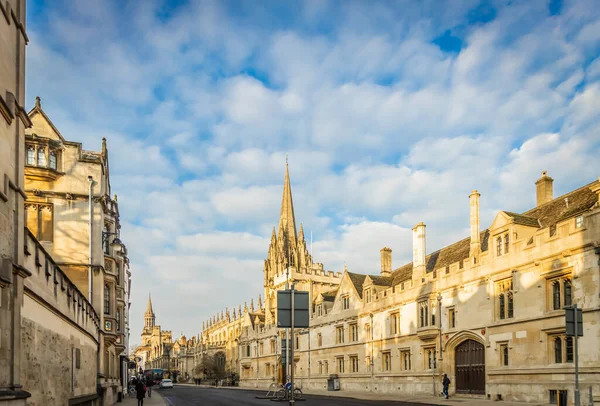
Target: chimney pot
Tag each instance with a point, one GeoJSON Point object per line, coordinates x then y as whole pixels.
{"type": "Point", "coordinates": [543, 187]}
{"type": "Point", "coordinates": [474, 223]}
{"type": "Point", "coordinates": [419, 245]}
{"type": "Point", "coordinates": [386, 261]}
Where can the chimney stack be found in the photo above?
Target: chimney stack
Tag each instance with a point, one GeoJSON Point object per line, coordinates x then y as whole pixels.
{"type": "Point", "coordinates": [474, 221]}
{"type": "Point", "coordinates": [419, 245]}
{"type": "Point", "coordinates": [543, 188]}
{"type": "Point", "coordinates": [386, 261]}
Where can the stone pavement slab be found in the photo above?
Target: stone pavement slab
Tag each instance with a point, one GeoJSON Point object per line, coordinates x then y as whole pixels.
{"type": "Point", "coordinates": [155, 400]}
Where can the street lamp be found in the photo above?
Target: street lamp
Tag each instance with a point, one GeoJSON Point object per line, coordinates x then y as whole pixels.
{"type": "Point", "coordinates": [116, 242]}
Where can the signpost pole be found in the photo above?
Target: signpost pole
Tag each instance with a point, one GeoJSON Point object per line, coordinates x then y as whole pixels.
{"type": "Point", "coordinates": [577, 398]}
{"type": "Point", "coordinates": [292, 345]}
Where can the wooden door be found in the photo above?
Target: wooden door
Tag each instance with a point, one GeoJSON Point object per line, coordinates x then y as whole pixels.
{"type": "Point", "coordinates": [470, 367]}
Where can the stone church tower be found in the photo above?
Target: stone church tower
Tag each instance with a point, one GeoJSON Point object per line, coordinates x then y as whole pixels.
{"type": "Point", "coordinates": [149, 322]}
{"type": "Point", "coordinates": [287, 251]}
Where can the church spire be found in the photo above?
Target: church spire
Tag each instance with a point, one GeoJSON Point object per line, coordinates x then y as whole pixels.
{"type": "Point", "coordinates": [149, 309]}
{"type": "Point", "coordinates": [287, 221]}
{"type": "Point", "coordinates": [149, 317]}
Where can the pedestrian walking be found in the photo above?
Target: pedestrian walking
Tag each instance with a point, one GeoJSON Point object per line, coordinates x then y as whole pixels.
{"type": "Point", "coordinates": [141, 392]}
{"type": "Point", "coordinates": [446, 384]}
{"type": "Point", "coordinates": [149, 384]}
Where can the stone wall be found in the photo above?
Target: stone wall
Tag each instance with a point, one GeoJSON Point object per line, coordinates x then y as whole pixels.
{"type": "Point", "coordinates": [59, 334]}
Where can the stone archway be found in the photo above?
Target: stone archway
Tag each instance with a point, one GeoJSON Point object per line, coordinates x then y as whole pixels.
{"type": "Point", "coordinates": [453, 362]}
{"type": "Point", "coordinates": [469, 367]}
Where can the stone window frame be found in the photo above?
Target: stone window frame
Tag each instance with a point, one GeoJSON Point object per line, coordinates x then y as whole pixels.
{"type": "Point", "coordinates": [395, 323]}
{"type": "Point", "coordinates": [368, 295]}
{"type": "Point", "coordinates": [339, 334]}
{"type": "Point", "coordinates": [107, 302]}
{"type": "Point", "coordinates": [43, 150]}
{"type": "Point", "coordinates": [345, 302]}
{"type": "Point", "coordinates": [423, 313]}
{"type": "Point", "coordinates": [353, 331]}
{"type": "Point", "coordinates": [354, 368]}
{"type": "Point", "coordinates": [405, 359]}
{"type": "Point", "coordinates": [503, 352]}
{"type": "Point", "coordinates": [429, 357]}
{"type": "Point", "coordinates": [386, 361]}
{"type": "Point", "coordinates": [579, 222]}
{"type": "Point", "coordinates": [504, 295]}
{"type": "Point", "coordinates": [559, 291]}
{"type": "Point", "coordinates": [339, 362]}
{"type": "Point", "coordinates": [561, 349]}
{"type": "Point", "coordinates": [452, 317]}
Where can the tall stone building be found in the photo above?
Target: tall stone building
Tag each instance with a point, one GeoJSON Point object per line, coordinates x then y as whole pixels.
{"type": "Point", "coordinates": [69, 209]}
{"type": "Point", "coordinates": [486, 310]}
{"type": "Point", "coordinates": [49, 330]}
{"type": "Point", "coordinates": [13, 121]}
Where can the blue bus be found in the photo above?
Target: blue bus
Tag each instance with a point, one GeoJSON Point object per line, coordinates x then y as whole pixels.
{"type": "Point", "coordinates": [155, 374]}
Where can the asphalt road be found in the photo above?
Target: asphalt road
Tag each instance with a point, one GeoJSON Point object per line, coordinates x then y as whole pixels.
{"type": "Point", "coordinates": [192, 396]}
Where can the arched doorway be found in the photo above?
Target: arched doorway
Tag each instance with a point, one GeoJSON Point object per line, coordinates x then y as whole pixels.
{"type": "Point", "coordinates": [469, 358]}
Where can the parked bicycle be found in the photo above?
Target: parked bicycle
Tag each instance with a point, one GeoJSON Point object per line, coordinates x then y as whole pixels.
{"type": "Point", "coordinates": [284, 392]}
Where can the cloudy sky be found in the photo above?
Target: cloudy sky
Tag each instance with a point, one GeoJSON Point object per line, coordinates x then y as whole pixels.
{"type": "Point", "coordinates": [391, 113]}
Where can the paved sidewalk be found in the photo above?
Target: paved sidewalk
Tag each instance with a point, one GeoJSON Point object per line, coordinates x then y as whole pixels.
{"type": "Point", "coordinates": [155, 400]}
{"type": "Point", "coordinates": [429, 400]}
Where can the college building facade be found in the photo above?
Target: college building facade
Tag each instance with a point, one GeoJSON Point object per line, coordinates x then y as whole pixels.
{"type": "Point", "coordinates": [487, 310]}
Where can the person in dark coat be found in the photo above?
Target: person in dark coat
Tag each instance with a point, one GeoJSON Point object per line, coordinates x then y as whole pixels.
{"type": "Point", "coordinates": [141, 392]}
{"type": "Point", "coordinates": [446, 384]}
{"type": "Point", "coordinates": [149, 384]}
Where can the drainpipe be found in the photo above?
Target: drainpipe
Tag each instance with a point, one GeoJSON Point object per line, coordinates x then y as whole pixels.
{"type": "Point", "coordinates": [91, 219]}
{"type": "Point", "coordinates": [372, 355]}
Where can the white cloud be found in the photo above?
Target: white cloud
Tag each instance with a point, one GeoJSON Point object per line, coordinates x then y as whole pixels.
{"type": "Point", "coordinates": [383, 128]}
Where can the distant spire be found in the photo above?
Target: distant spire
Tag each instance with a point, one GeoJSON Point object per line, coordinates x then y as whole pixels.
{"type": "Point", "coordinates": [259, 302]}
{"type": "Point", "coordinates": [287, 221]}
{"type": "Point", "coordinates": [149, 309]}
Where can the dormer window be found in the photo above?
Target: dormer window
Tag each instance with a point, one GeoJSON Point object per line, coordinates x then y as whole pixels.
{"type": "Point", "coordinates": [368, 295]}
{"type": "Point", "coordinates": [502, 242]}
{"type": "Point", "coordinates": [345, 302]}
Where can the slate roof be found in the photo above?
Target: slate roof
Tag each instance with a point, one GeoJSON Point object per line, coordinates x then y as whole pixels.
{"type": "Point", "coordinates": [357, 280]}
{"type": "Point", "coordinates": [558, 209]}
{"type": "Point", "coordinates": [329, 296]}
{"type": "Point", "coordinates": [579, 201]}
{"type": "Point", "coordinates": [381, 280]}
{"type": "Point", "coordinates": [523, 220]}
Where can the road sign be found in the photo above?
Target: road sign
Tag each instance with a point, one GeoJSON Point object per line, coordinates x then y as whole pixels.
{"type": "Point", "coordinates": [284, 309]}
{"type": "Point", "coordinates": [571, 322]}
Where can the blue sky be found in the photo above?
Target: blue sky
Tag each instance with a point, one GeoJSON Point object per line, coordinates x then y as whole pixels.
{"type": "Point", "coordinates": [391, 113]}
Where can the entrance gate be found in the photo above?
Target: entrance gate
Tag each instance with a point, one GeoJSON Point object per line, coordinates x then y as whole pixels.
{"type": "Point", "coordinates": [470, 367]}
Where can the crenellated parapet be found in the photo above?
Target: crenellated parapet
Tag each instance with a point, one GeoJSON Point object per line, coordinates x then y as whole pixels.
{"type": "Point", "coordinates": [49, 286]}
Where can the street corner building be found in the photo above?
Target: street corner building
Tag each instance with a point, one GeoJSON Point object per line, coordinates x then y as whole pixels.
{"type": "Point", "coordinates": [487, 310]}
{"type": "Point", "coordinates": [64, 272]}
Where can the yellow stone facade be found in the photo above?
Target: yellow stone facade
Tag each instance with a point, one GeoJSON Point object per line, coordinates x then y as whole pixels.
{"type": "Point", "coordinates": [60, 177]}
{"type": "Point", "coordinates": [486, 310]}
